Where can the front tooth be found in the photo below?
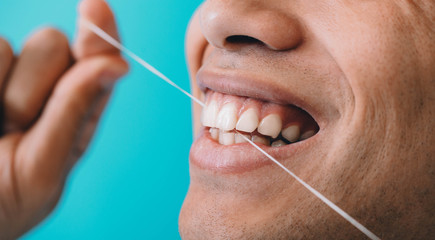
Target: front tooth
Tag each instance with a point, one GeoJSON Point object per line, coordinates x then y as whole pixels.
{"type": "Point", "coordinates": [209, 114]}
{"type": "Point", "coordinates": [270, 125]}
{"type": "Point", "coordinates": [262, 140]}
{"type": "Point", "coordinates": [291, 133]}
{"type": "Point", "coordinates": [214, 132]}
{"type": "Point", "coordinates": [307, 134]}
{"type": "Point", "coordinates": [227, 117]}
{"type": "Point", "coordinates": [248, 121]}
{"type": "Point", "coordinates": [240, 139]}
{"type": "Point", "coordinates": [226, 138]}
{"type": "Point", "coordinates": [278, 143]}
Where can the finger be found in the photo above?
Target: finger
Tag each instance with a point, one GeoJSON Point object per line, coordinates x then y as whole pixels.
{"type": "Point", "coordinates": [43, 60]}
{"type": "Point", "coordinates": [87, 43]}
{"type": "Point", "coordinates": [6, 59]}
{"type": "Point", "coordinates": [44, 155]}
{"type": "Point", "coordinates": [88, 129]}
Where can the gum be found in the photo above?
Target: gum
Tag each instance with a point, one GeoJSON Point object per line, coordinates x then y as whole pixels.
{"type": "Point", "coordinates": [290, 115]}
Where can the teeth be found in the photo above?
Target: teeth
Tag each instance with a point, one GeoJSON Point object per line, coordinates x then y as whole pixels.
{"type": "Point", "coordinates": [214, 132]}
{"type": "Point", "coordinates": [307, 134]}
{"type": "Point", "coordinates": [223, 120]}
{"type": "Point", "coordinates": [248, 121]}
{"type": "Point", "coordinates": [226, 138]}
{"type": "Point", "coordinates": [278, 143]}
{"type": "Point", "coordinates": [270, 125]}
{"type": "Point", "coordinates": [291, 133]}
{"type": "Point", "coordinates": [262, 140]}
{"type": "Point", "coordinates": [240, 139]}
{"type": "Point", "coordinates": [209, 114]}
{"type": "Point", "coordinates": [227, 117]}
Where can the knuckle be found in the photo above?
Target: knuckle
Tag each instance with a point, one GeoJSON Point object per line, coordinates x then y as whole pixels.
{"type": "Point", "coordinates": [19, 117]}
{"type": "Point", "coordinates": [49, 40]}
{"type": "Point", "coordinates": [5, 49]}
{"type": "Point", "coordinates": [20, 110]}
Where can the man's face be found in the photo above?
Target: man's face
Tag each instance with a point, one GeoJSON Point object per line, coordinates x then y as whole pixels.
{"type": "Point", "coordinates": [360, 75]}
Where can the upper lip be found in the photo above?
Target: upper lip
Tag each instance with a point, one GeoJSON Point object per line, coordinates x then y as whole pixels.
{"type": "Point", "coordinates": [253, 85]}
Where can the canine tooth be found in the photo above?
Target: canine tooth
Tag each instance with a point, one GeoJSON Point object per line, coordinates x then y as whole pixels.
{"type": "Point", "coordinates": [278, 143]}
{"type": "Point", "coordinates": [214, 132]}
{"type": "Point", "coordinates": [240, 139]}
{"type": "Point", "coordinates": [209, 114]}
{"type": "Point", "coordinates": [291, 133]}
{"type": "Point", "coordinates": [270, 125]}
{"type": "Point", "coordinates": [227, 117]}
{"type": "Point", "coordinates": [226, 138]}
{"type": "Point", "coordinates": [258, 139]}
{"type": "Point", "coordinates": [307, 134]}
{"type": "Point", "coordinates": [248, 121]}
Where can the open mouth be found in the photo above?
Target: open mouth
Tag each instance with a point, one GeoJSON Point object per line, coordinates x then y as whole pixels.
{"type": "Point", "coordinates": [278, 128]}
{"type": "Point", "coordinates": [282, 121]}
{"type": "Point", "coordinates": [263, 122]}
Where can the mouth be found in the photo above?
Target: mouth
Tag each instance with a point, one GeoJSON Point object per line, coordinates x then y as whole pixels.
{"type": "Point", "coordinates": [281, 129]}
{"type": "Point", "coordinates": [265, 123]}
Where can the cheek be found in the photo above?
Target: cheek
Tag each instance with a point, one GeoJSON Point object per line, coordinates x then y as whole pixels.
{"type": "Point", "coordinates": [377, 53]}
{"type": "Point", "coordinates": [372, 42]}
{"type": "Point", "coordinates": [382, 73]}
{"type": "Point", "coordinates": [208, 51]}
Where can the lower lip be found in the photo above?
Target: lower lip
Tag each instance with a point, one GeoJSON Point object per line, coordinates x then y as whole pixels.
{"type": "Point", "coordinates": [208, 154]}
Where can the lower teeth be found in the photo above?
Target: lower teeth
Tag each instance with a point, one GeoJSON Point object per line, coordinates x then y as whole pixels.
{"type": "Point", "coordinates": [231, 137]}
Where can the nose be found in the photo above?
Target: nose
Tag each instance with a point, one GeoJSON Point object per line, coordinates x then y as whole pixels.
{"type": "Point", "coordinates": [231, 24]}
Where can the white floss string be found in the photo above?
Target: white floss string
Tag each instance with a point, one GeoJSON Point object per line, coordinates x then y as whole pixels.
{"type": "Point", "coordinates": [101, 33]}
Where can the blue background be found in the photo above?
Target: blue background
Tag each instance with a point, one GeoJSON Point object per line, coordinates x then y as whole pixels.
{"type": "Point", "coordinates": [131, 182]}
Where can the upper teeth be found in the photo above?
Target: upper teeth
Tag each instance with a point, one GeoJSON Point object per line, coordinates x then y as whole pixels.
{"type": "Point", "coordinates": [222, 121]}
{"type": "Point", "coordinates": [209, 114]}
{"type": "Point", "coordinates": [227, 117]}
{"type": "Point", "coordinates": [291, 133]}
{"type": "Point", "coordinates": [270, 125]}
{"type": "Point", "coordinates": [248, 121]}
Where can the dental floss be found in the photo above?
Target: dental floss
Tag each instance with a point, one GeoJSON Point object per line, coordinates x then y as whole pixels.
{"type": "Point", "coordinates": [101, 33]}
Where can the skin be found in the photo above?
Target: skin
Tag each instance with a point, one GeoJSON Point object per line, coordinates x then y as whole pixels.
{"type": "Point", "coordinates": [371, 63]}
{"type": "Point", "coordinates": [52, 97]}
{"type": "Point", "coordinates": [367, 66]}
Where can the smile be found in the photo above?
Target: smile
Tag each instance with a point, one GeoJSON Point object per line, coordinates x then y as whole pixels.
{"type": "Point", "coordinates": [263, 122]}
{"type": "Point", "coordinates": [236, 106]}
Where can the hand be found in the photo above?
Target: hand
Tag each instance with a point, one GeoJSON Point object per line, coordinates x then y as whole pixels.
{"type": "Point", "coordinates": [51, 102]}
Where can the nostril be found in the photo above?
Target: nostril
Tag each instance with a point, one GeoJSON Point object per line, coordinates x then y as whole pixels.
{"type": "Point", "coordinates": [242, 40]}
